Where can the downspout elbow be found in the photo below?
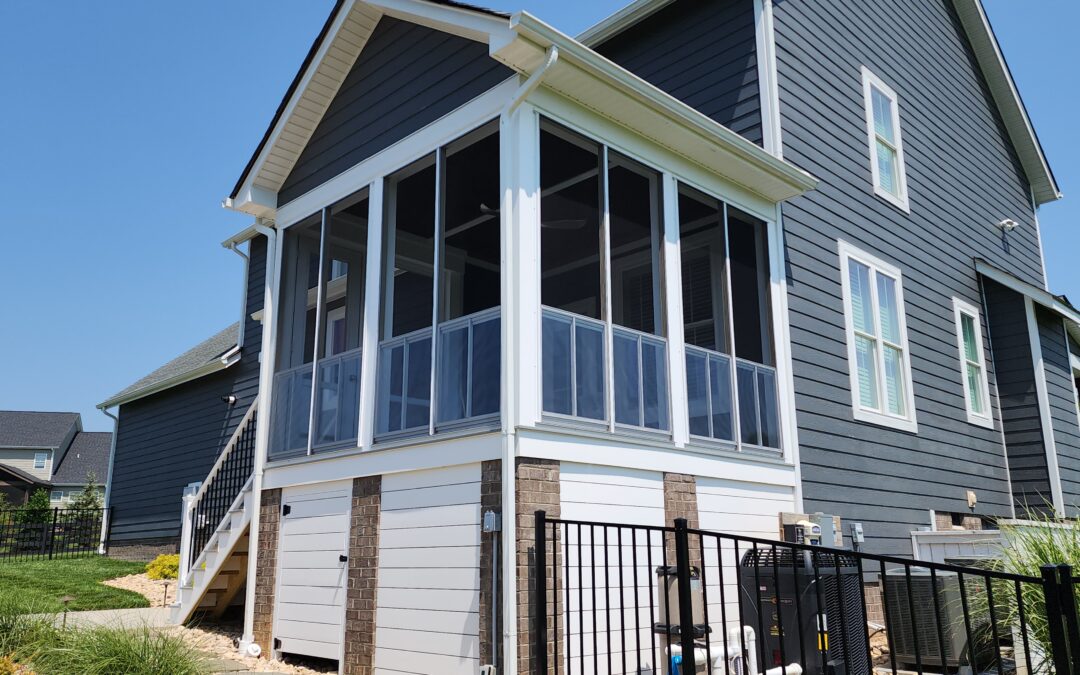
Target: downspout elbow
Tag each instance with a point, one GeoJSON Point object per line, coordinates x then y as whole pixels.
{"type": "Point", "coordinates": [530, 85]}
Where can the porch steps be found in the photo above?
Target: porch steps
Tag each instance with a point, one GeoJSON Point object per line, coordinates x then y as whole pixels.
{"type": "Point", "coordinates": [220, 571]}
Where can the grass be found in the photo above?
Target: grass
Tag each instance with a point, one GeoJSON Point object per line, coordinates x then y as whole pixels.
{"type": "Point", "coordinates": [42, 583]}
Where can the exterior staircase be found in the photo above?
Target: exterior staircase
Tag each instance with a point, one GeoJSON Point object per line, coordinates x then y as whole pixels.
{"type": "Point", "coordinates": [214, 530]}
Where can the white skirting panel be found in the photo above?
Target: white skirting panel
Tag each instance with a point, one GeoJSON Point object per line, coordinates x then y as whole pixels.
{"type": "Point", "coordinates": [745, 509]}
{"type": "Point", "coordinates": [608, 618]}
{"type": "Point", "coordinates": [428, 603]}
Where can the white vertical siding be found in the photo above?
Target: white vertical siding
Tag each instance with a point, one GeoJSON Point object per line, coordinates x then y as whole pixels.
{"type": "Point", "coordinates": [609, 619]}
{"type": "Point", "coordinates": [427, 608]}
{"type": "Point", "coordinates": [745, 509]}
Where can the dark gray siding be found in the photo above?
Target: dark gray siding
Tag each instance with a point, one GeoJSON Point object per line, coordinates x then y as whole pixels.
{"type": "Point", "coordinates": [1021, 422]}
{"type": "Point", "coordinates": [963, 177]}
{"type": "Point", "coordinates": [173, 438]}
{"type": "Point", "coordinates": [702, 52]}
{"type": "Point", "coordinates": [406, 77]}
{"type": "Point", "coordinates": [1060, 392]}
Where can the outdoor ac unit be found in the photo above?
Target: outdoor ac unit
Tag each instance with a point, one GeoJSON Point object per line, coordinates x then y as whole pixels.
{"type": "Point", "coordinates": [905, 628]}
{"type": "Point", "coordinates": [768, 573]}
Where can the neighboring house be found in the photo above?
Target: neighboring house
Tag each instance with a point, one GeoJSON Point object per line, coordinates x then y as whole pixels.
{"type": "Point", "coordinates": [719, 260]}
{"type": "Point", "coordinates": [49, 451]}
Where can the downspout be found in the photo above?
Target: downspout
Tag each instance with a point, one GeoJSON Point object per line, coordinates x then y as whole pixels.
{"type": "Point", "coordinates": [232, 246]}
{"type": "Point", "coordinates": [262, 432]}
{"type": "Point", "coordinates": [108, 481]}
{"type": "Point", "coordinates": [509, 529]}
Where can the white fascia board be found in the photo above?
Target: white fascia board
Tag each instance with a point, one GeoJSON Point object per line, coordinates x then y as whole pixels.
{"type": "Point", "coordinates": [221, 363]}
{"type": "Point", "coordinates": [621, 20]}
{"type": "Point", "coordinates": [467, 23]}
{"type": "Point", "coordinates": [615, 93]}
{"type": "Point", "coordinates": [988, 53]}
{"type": "Point", "coordinates": [1039, 295]}
{"type": "Point", "coordinates": [252, 199]}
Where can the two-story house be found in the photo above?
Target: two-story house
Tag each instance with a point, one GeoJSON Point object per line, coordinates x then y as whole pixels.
{"type": "Point", "coordinates": [719, 260]}
{"type": "Point", "coordinates": [49, 451]}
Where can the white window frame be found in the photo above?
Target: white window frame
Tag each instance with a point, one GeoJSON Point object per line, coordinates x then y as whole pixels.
{"type": "Point", "coordinates": [56, 496]}
{"type": "Point", "coordinates": [43, 457]}
{"type": "Point", "coordinates": [960, 308]}
{"type": "Point", "coordinates": [871, 82]}
{"type": "Point", "coordinates": [907, 422]}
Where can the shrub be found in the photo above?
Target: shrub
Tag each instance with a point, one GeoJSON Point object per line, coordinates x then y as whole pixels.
{"type": "Point", "coordinates": [7, 666]}
{"type": "Point", "coordinates": [107, 650]}
{"type": "Point", "coordinates": [164, 567]}
{"type": "Point", "coordinates": [90, 498]}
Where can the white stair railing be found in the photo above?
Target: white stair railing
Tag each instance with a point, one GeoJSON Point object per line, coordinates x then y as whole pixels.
{"type": "Point", "coordinates": [218, 494]}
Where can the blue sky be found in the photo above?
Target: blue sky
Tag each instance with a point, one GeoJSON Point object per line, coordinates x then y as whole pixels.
{"type": "Point", "coordinates": [124, 124]}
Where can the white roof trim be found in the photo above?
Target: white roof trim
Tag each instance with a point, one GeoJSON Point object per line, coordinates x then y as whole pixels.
{"type": "Point", "coordinates": [607, 89]}
{"type": "Point", "coordinates": [987, 53]}
{"type": "Point", "coordinates": [221, 363]}
{"type": "Point", "coordinates": [621, 20]}
{"type": "Point", "coordinates": [1036, 293]}
{"type": "Point", "coordinates": [1007, 96]}
{"type": "Point", "coordinates": [320, 82]}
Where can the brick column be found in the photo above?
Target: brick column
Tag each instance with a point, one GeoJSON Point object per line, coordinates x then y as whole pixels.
{"type": "Point", "coordinates": [363, 576]}
{"type": "Point", "coordinates": [537, 488]}
{"type": "Point", "coordinates": [266, 567]}
{"type": "Point", "coordinates": [680, 501]}
{"type": "Point", "coordinates": [490, 500]}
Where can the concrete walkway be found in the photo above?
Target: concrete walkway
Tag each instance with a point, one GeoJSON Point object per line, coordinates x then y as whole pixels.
{"type": "Point", "coordinates": [154, 617]}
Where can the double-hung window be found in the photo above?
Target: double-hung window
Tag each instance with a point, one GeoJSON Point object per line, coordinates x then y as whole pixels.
{"type": "Point", "coordinates": [886, 147]}
{"type": "Point", "coordinates": [40, 458]}
{"type": "Point", "coordinates": [878, 355]}
{"type": "Point", "coordinates": [972, 363]}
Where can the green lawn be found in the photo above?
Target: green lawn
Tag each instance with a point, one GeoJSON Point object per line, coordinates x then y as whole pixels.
{"type": "Point", "coordinates": [41, 583]}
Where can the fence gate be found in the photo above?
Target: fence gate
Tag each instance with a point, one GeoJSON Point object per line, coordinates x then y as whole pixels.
{"type": "Point", "coordinates": [29, 533]}
{"type": "Point", "coordinates": [614, 599]}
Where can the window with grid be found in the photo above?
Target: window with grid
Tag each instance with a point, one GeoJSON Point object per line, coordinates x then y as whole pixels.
{"type": "Point", "coordinates": [877, 340]}
{"type": "Point", "coordinates": [886, 147]}
{"type": "Point", "coordinates": [972, 363]}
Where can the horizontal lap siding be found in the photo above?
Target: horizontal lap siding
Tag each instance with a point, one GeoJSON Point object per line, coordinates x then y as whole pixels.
{"type": "Point", "coordinates": [962, 178]}
{"type": "Point", "coordinates": [428, 601]}
{"type": "Point", "coordinates": [1063, 413]}
{"type": "Point", "coordinates": [616, 595]}
{"type": "Point", "coordinates": [170, 439]}
{"type": "Point", "coordinates": [702, 52]}
{"type": "Point", "coordinates": [1021, 422]}
{"type": "Point", "coordinates": [406, 77]}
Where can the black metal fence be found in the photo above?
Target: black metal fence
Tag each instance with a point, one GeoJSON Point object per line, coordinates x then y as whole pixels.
{"type": "Point", "coordinates": [29, 533]}
{"type": "Point", "coordinates": [222, 486]}
{"type": "Point", "coordinates": [612, 599]}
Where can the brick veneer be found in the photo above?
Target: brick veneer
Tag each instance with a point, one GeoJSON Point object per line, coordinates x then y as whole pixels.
{"type": "Point", "coordinates": [537, 488]}
{"type": "Point", "coordinates": [266, 567]}
{"type": "Point", "coordinates": [363, 576]}
{"type": "Point", "coordinates": [490, 500]}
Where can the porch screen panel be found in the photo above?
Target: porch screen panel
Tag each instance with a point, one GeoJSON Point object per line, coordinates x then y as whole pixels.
{"type": "Point", "coordinates": [291, 409]}
{"type": "Point", "coordinates": [468, 372]}
{"type": "Point", "coordinates": [570, 243]}
{"type": "Point", "coordinates": [404, 386]}
{"type": "Point", "coordinates": [337, 401]}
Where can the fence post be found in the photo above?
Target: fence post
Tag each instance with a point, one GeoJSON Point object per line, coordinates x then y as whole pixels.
{"type": "Point", "coordinates": [52, 531]}
{"type": "Point", "coordinates": [1059, 648]}
{"type": "Point", "coordinates": [1068, 611]}
{"type": "Point", "coordinates": [540, 647]}
{"type": "Point", "coordinates": [686, 606]}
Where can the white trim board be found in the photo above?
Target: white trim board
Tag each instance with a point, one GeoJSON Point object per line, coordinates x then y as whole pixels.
{"type": "Point", "coordinates": [870, 82]}
{"type": "Point", "coordinates": [961, 307]}
{"type": "Point", "coordinates": [1046, 421]}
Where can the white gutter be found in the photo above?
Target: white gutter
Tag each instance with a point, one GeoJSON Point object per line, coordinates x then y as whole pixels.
{"type": "Point", "coordinates": [108, 482]}
{"type": "Point", "coordinates": [262, 430]}
{"type": "Point", "coordinates": [509, 517]}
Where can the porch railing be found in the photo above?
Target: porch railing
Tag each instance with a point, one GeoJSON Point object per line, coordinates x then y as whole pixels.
{"type": "Point", "coordinates": [713, 408]}
{"type": "Point", "coordinates": [218, 493]}
{"type": "Point", "coordinates": [621, 598]}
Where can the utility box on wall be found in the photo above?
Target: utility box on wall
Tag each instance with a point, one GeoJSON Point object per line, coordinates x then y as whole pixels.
{"type": "Point", "coordinates": [667, 588]}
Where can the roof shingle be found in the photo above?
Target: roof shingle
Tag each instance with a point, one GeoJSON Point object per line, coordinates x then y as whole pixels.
{"type": "Point", "coordinates": [20, 429]}
{"type": "Point", "coordinates": [89, 452]}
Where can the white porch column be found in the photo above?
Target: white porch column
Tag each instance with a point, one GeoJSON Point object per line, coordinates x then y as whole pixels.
{"type": "Point", "coordinates": [672, 269]}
